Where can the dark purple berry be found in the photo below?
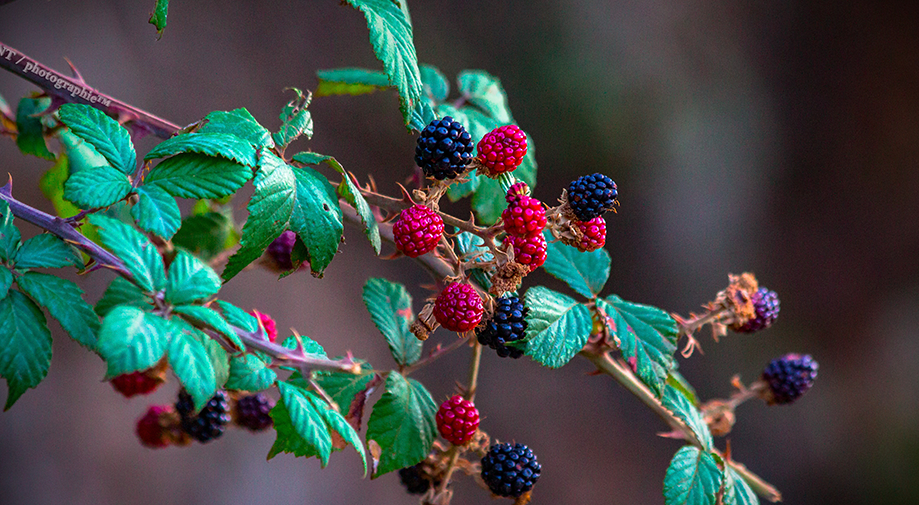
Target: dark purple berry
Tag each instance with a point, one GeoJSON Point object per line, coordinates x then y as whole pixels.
{"type": "Point", "coordinates": [591, 195]}
{"type": "Point", "coordinates": [507, 325]}
{"type": "Point", "coordinates": [789, 377]}
{"type": "Point", "coordinates": [280, 249]}
{"type": "Point", "coordinates": [444, 149]}
{"type": "Point", "coordinates": [414, 479]}
{"type": "Point", "coordinates": [208, 424]}
{"type": "Point", "coordinates": [252, 412]}
{"type": "Point", "coordinates": [766, 305]}
{"type": "Point", "coordinates": [510, 470]}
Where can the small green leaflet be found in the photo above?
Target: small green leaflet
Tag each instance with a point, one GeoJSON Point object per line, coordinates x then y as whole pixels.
{"type": "Point", "coordinates": [557, 326]}
{"type": "Point", "coordinates": [676, 380]}
{"type": "Point", "coordinates": [249, 373]}
{"type": "Point", "coordinates": [131, 340]}
{"type": "Point", "coordinates": [30, 138]}
{"type": "Point", "coordinates": [156, 211]}
{"type": "Point", "coordinates": [81, 154]}
{"type": "Point", "coordinates": [6, 280]}
{"type": "Point", "coordinates": [217, 355]}
{"type": "Point", "coordinates": [193, 175]}
{"type": "Point", "coordinates": [269, 212]}
{"type": "Point", "coordinates": [737, 491]}
{"type": "Point", "coordinates": [485, 91]}
{"type": "Point", "coordinates": [46, 251]}
{"type": "Point", "coordinates": [52, 186]}
{"type": "Point", "coordinates": [392, 40]}
{"type": "Point", "coordinates": [349, 191]}
{"type": "Point", "coordinates": [64, 301]}
{"type": "Point", "coordinates": [139, 255]}
{"type": "Point", "coordinates": [158, 17]}
{"type": "Point", "coordinates": [350, 81]}
{"type": "Point", "coordinates": [102, 132]}
{"type": "Point", "coordinates": [684, 410]}
{"type": "Point", "coordinates": [310, 346]}
{"type": "Point", "coordinates": [211, 318]}
{"type": "Point", "coordinates": [472, 248]}
{"type": "Point", "coordinates": [436, 85]}
{"type": "Point", "coordinates": [190, 280]}
{"type": "Point", "coordinates": [121, 292]}
{"type": "Point", "coordinates": [238, 317]}
{"type": "Point", "coordinates": [206, 235]}
{"type": "Point", "coordinates": [98, 187]}
{"type": "Point", "coordinates": [240, 123]}
{"type": "Point", "coordinates": [25, 345]}
{"type": "Point", "coordinates": [693, 478]}
{"type": "Point", "coordinates": [316, 218]}
{"type": "Point", "coordinates": [421, 116]}
{"type": "Point", "coordinates": [224, 145]}
{"type": "Point", "coordinates": [390, 307]}
{"type": "Point", "coordinates": [295, 120]}
{"type": "Point", "coordinates": [585, 272]}
{"type": "Point", "coordinates": [343, 387]}
{"type": "Point", "coordinates": [10, 238]}
{"type": "Point", "coordinates": [647, 338]}
{"type": "Point", "coordinates": [402, 424]}
{"type": "Point", "coordinates": [191, 362]}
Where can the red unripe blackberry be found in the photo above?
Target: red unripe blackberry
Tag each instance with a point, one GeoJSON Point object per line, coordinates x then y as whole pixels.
{"type": "Point", "coordinates": [530, 251]}
{"type": "Point", "coordinates": [510, 470]}
{"type": "Point", "coordinates": [136, 383]}
{"type": "Point", "coordinates": [457, 420]}
{"type": "Point", "coordinates": [592, 195]}
{"type": "Point", "coordinates": [151, 428]}
{"type": "Point", "coordinates": [766, 305]}
{"type": "Point", "coordinates": [271, 328]}
{"type": "Point", "coordinates": [417, 231]}
{"type": "Point", "coordinates": [789, 377]}
{"type": "Point", "coordinates": [279, 250]}
{"type": "Point", "coordinates": [444, 149]}
{"type": "Point", "coordinates": [252, 412]}
{"type": "Point", "coordinates": [507, 325]}
{"type": "Point", "coordinates": [458, 307]}
{"type": "Point", "coordinates": [594, 234]}
{"type": "Point", "coordinates": [210, 422]}
{"type": "Point", "coordinates": [524, 216]}
{"type": "Point", "coordinates": [502, 149]}
{"type": "Point", "coordinates": [518, 189]}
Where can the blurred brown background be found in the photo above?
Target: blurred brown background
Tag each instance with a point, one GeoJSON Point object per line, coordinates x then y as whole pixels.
{"type": "Point", "coordinates": [777, 137]}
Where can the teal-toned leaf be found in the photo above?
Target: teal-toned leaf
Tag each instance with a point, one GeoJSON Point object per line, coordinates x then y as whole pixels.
{"type": "Point", "coordinates": [192, 175]}
{"type": "Point", "coordinates": [693, 478]}
{"type": "Point", "coordinates": [310, 346]}
{"type": "Point", "coordinates": [121, 292]}
{"type": "Point", "coordinates": [139, 255]}
{"type": "Point", "coordinates": [390, 308]}
{"type": "Point", "coordinates": [6, 280]}
{"type": "Point", "coordinates": [205, 235]}
{"type": "Point", "coordinates": [97, 187]}
{"type": "Point", "coordinates": [158, 16]}
{"type": "Point", "coordinates": [25, 345]}
{"type": "Point", "coordinates": [736, 490]}
{"type": "Point", "coordinates": [64, 300]}
{"type": "Point", "coordinates": [343, 387]}
{"type": "Point", "coordinates": [436, 85]}
{"type": "Point", "coordinates": [46, 251]}
{"type": "Point", "coordinates": [52, 185]}
{"type": "Point", "coordinates": [269, 211]}
{"type": "Point", "coordinates": [220, 360]}
{"type": "Point", "coordinates": [472, 248]}
{"type": "Point", "coordinates": [485, 92]}
{"type": "Point", "coordinates": [421, 116]}
{"type": "Point", "coordinates": [316, 218]}
{"type": "Point", "coordinates": [684, 410]}
{"type": "Point", "coordinates": [340, 425]}
{"type": "Point", "coordinates": [557, 326]}
{"type": "Point", "coordinates": [249, 373]}
{"type": "Point", "coordinates": [350, 81]}
{"type": "Point", "coordinates": [676, 380]}
{"type": "Point", "coordinates": [131, 340]}
{"type": "Point", "coordinates": [238, 317]}
{"type": "Point", "coordinates": [238, 122]}
{"type": "Point", "coordinates": [30, 136]}
{"type": "Point", "coordinates": [585, 272]}
{"type": "Point", "coordinates": [201, 315]}
{"type": "Point", "coordinates": [349, 191]}
{"type": "Point", "coordinates": [402, 424]}
{"type": "Point", "coordinates": [81, 154]}
{"type": "Point", "coordinates": [300, 427]}
{"type": "Point", "coordinates": [102, 132]}
{"type": "Point", "coordinates": [295, 120]}
{"type": "Point", "coordinates": [190, 280]}
{"type": "Point", "coordinates": [392, 40]}
{"type": "Point", "coordinates": [156, 211]}
{"type": "Point", "coordinates": [190, 361]}
{"type": "Point", "coordinates": [224, 145]}
{"type": "Point", "coordinates": [10, 238]}
{"type": "Point", "coordinates": [647, 338]}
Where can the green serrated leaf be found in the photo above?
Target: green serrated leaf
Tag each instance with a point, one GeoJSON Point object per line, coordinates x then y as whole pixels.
{"type": "Point", "coordinates": [82, 155]}
{"type": "Point", "coordinates": [249, 373]}
{"type": "Point", "coordinates": [737, 491]}
{"type": "Point", "coordinates": [485, 92]}
{"type": "Point", "coordinates": [52, 186]}
{"type": "Point", "coordinates": [192, 175]}
{"type": "Point", "coordinates": [121, 292]}
{"type": "Point", "coordinates": [647, 337]}
{"type": "Point", "coordinates": [102, 132]}
{"type": "Point", "coordinates": [472, 248]}
{"type": "Point", "coordinates": [131, 340]}
{"type": "Point", "coordinates": [310, 346]}
{"type": "Point", "coordinates": [30, 136]}
{"type": "Point", "coordinates": [269, 211]}
{"type": "Point", "coordinates": [224, 145]}
{"type": "Point", "coordinates": [190, 280]}
{"type": "Point", "coordinates": [334, 421]}
{"type": "Point", "coordinates": [390, 308]}
{"type": "Point", "coordinates": [238, 122]}
{"type": "Point", "coordinates": [295, 121]}
{"type": "Point", "coordinates": [211, 318]}
{"type": "Point", "coordinates": [392, 39]}
{"type": "Point", "coordinates": [10, 238]}
{"type": "Point", "coordinates": [678, 382]}
{"type": "Point", "coordinates": [64, 300]}
{"type": "Point", "coordinates": [402, 424]}
{"type": "Point", "coordinates": [693, 478]}
{"type": "Point", "coordinates": [158, 16]}
{"type": "Point", "coordinates": [350, 81]}
{"type": "Point", "coordinates": [206, 235]}
{"type": "Point", "coordinates": [300, 427]}
{"type": "Point", "coordinates": [557, 326]}
{"type": "Point", "coordinates": [684, 410]}
{"type": "Point", "coordinates": [25, 345]}
{"type": "Point", "coordinates": [6, 280]}
{"type": "Point", "coordinates": [585, 272]}
{"type": "Point", "coordinates": [46, 251]}
{"type": "Point", "coordinates": [316, 218]}
{"type": "Point", "coordinates": [156, 211]}
{"type": "Point", "coordinates": [98, 187]}
{"type": "Point", "coordinates": [421, 116]}
{"type": "Point", "coordinates": [139, 255]}
{"type": "Point", "coordinates": [436, 85]}
{"type": "Point", "coordinates": [191, 362]}
{"type": "Point", "coordinates": [220, 360]}
{"type": "Point", "coordinates": [238, 317]}
{"type": "Point", "coordinates": [343, 387]}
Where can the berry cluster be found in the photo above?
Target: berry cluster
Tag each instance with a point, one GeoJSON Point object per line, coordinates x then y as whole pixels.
{"type": "Point", "coordinates": [502, 149]}
{"type": "Point", "coordinates": [271, 328]}
{"type": "Point", "coordinates": [137, 383]}
{"type": "Point", "coordinates": [417, 231]}
{"type": "Point", "coordinates": [152, 428]}
{"type": "Point", "coordinates": [457, 420]}
{"type": "Point", "coordinates": [510, 470]}
{"type": "Point", "coordinates": [524, 215]}
{"type": "Point", "coordinates": [279, 251]}
{"type": "Point", "coordinates": [414, 479]}
{"type": "Point", "coordinates": [251, 412]}
{"type": "Point", "coordinates": [593, 234]}
{"type": "Point", "coordinates": [789, 377]}
{"type": "Point", "coordinates": [210, 422]}
{"type": "Point", "coordinates": [766, 305]}
{"type": "Point", "coordinates": [444, 149]}
{"type": "Point", "coordinates": [591, 195]}
{"type": "Point", "coordinates": [507, 325]}
{"type": "Point", "coordinates": [458, 307]}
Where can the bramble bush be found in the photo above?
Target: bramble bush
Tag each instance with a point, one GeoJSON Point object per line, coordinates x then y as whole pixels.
{"type": "Point", "coordinates": [119, 212]}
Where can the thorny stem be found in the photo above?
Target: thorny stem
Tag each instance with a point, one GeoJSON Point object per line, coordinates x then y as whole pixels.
{"type": "Point", "coordinates": [474, 370]}
{"type": "Point", "coordinates": [434, 356]}
{"type": "Point", "coordinates": [451, 467]}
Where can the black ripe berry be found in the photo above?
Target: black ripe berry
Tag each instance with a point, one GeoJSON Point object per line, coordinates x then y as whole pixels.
{"type": "Point", "coordinates": [252, 412]}
{"type": "Point", "coordinates": [510, 470]}
{"type": "Point", "coordinates": [789, 377]}
{"type": "Point", "coordinates": [591, 195]}
{"type": "Point", "coordinates": [414, 479]}
{"type": "Point", "coordinates": [444, 149]}
{"type": "Point", "coordinates": [507, 325]}
{"type": "Point", "coordinates": [208, 424]}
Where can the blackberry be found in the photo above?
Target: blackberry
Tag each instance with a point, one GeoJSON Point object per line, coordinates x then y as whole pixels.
{"type": "Point", "coordinates": [766, 305]}
{"type": "Point", "coordinates": [252, 412]}
{"type": "Point", "coordinates": [458, 307]}
{"type": "Point", "coordinates": [789, 377]}
{"type": "Point", "coordinates": [530, 251]}
{"type": "Point", "coordinates": [591, 195]}
{"type": "Point", "coordinates": [208, 424]}
{"type": "Point", "coordinates": [502, 149]}
{"type": "Point", "coordinates": [524, 216]}
{"type": "Point", "coordinates": [593, 234]}
{"type": "Point", "coordinates": [151, 429]}
{"type": "Point", "coordinates": [271, 328]}
{"type": "Point", "coordinates": [457, 420]}
{"type": "Point", "coordinates": [279, 250]}
{"type": "Point", "coordinates": [507, 325]}
{"type": "Point", "coordinates": [414, 479]}
{"type": "Point", "coordinates": [444, 149]}
{"type": "Point", "coordinates": [137, 383]}
{"type": "Point", "coordinates": [417, 231]}
{"type": "Point", "coordinates": [510, 470]}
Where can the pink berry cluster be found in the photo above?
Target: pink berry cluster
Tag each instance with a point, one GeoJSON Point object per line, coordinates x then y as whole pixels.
{"type": "Point", "coordinates": [458, 307]}
{"type": "Point", "coordinates": [457, 420]}
{"type": "Point", "coordinates": [524, 220]}
{"type": "Point", "coordinates": [502, 149]}
{"type": "Point", "coordinates": [417, 231]}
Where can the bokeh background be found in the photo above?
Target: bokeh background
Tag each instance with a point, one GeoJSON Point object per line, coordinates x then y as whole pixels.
{"type": "Point", "coordinates": [773, 137]}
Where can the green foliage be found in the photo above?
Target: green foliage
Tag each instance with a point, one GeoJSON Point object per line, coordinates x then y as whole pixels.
{"type": "Point", "coordinates": [46, 251]}
{"type": "Point", "coordinates": [401, 424]}
{"type": "Point", "coordinates": [557, 326]}
{"type": "Point", "coordinates": [158, 16]}
{"type": "Point", "coordinates": [140, 256]}
{"type": "Point", "coordinates": [295, 120]}
{"type": "Point", "coordinates": [194, 175]}
{"type": "Point", "coordinates": [676, 380]}
{"type": "Point", "coordinates": [103, 133]}
{"type": "Point", "coordinates": [350, 81]}
{"type": "Point", "coordinates": [64, 301]}
{"type": "Point", "coordinates": [223, 145]}
{"type": "Point", "coordinates": [250, 373]}
{"type": "Point", "coordinates": [99, 187]}
{"type": "Point", "coordinates": [683, 409]}
{"type": "Point", "coordinates": [436, 85]}
{"type": "Point", "coordinates": [10, 238]}
{"type": "Point", "coordinates": [189, 353]}
{"type": "Point", "coordinates": [25, 345]}
{"type": "Point", "coordinates": [238, 317]}
{"type": "Point", "coordinates": [156, 211]}
{"type": "Point", "coordinates": [471, 247]}
{"type": "Point", "coordinates": [6, 280]}
{"type": "Point", "coordinates": [693, 478]}
{"type": "Point", "coordinates": [30, 137]}
{"type": "Point", "coordinates": [190, 280]}
{"type": "Point", "coordinates": [343, 387]}
{"type": "Point", "coordinates": [121, 292]}
{"type": "Point", "coordinates": [585, 272]}
{"type": "Point", "coordinates": [199, 315]}
{"type": "Point", "coordinates": [736, 490]}
{"type": "Point", "coordinates": [390, 307]}
{"type": "Point", "coordinates": [485, 92]}
{"type": "Point", "coordinates": [131, 340]}
{"type": "Point", "coordinates": [316, 218]}
{"type": "Point", "coordinates": [206, 235]}
{"type": "Point", "coordinates": [238, 122]}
